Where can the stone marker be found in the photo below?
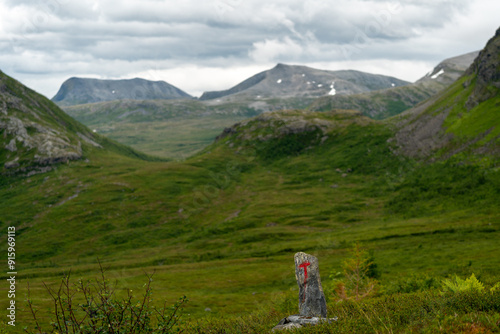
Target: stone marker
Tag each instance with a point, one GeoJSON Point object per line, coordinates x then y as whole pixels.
{"type": "Point", "coordinates": [312, 303]}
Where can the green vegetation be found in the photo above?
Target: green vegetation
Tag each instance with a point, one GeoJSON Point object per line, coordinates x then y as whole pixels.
{"type": "Point", "coordinates": [172, 128]}
{"type": "Point", "coordinates": [359, 277]}
{"type": "Point", "coordinates": [381, 104]}
{"type": "Point", "coordinates": [222, 227]}
{"type": "Point", "coordinates": [417, 312]}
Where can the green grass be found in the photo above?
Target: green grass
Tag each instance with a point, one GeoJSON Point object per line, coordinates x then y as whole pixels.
{"type": "Point", "coordinates": [427, 312]}
{"type": "Point", "coordinates": [172, 128]}
{"type": "Point", "coordinates": [222, 227]}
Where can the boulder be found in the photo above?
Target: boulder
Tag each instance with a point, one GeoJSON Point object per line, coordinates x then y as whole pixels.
{"type": "Point", "coordinates": [312, 301]}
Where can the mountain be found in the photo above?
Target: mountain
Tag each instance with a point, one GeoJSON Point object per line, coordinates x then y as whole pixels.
{"type": "Point", "coordinates": [80, 91]}
{"type": "Point", "coordinates": [462, 118]}
{"type": "Point", "coordinates": [36, 134]}
{"type": "Point", "coordinates": [392, 101]}
{"type": "Point", "coordinates": [284, 81]}
{"type": "Point", "coordinates": [449, 70]}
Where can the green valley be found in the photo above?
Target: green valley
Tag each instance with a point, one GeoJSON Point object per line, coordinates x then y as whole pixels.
{"type": "Point", "coordinates": [420, 191]}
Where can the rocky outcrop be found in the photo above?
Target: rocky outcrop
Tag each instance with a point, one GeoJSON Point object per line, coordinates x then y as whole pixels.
{"type": "Point", "coordinates": [448, 123]}
{"type": "Point", "coordinates": [486, 70]}
{"type": "Point", "coordinates": [278, 124]}
{"type": "Point", "coordinates": [35, 133]}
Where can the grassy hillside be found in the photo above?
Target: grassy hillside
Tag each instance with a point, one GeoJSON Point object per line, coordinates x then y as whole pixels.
{"type": "Point", "coordinates": [223, 226]}
{"type": "Point", "coordinates": [461, 121]}
{"type": "Point", "coordinates": [41, 134]}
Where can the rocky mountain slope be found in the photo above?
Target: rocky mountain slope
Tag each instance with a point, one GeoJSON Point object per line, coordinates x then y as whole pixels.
{"type": "Point", "coordinates": [35, 134]}
{"type": "Point", "coordinates": [80, 91]}
{"type": "Point", "coordinates": [392, 101]}
{"type": "Point", "coordinates": [461, 119]}
{"type": "Point", "coordinates": [285, 81]}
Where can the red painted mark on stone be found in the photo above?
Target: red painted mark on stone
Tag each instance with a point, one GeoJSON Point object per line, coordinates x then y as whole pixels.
{"type": "Point", "coordinates": [305, 265]}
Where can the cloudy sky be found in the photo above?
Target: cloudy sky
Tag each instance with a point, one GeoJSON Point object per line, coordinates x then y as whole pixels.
{"type": "Point", "coordinates": [214, 44]}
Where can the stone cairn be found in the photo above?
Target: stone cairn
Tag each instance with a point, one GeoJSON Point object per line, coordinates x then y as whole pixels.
{"type": "Point", "coordinates": [312, 303]}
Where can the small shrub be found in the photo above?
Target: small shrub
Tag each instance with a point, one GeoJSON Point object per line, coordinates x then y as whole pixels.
{"type": "Point", "coordinates": [413, 283]}
{"type": "Point", "coordinates": [358, 281]}
{"type": "Point", "coordinates": [92, 307]}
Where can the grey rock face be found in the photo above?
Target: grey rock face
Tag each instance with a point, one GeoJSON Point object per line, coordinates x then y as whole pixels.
{"type": "Point", "coordinates": [81, 90]}
{"type": "Point", "coordinates": [381, 104]}
{"type": "Point", "coordinates": [312, 301]}
{"type": "Point", "coordinates": [12, 164]}
{"type": "Point", "coordinates": [11, 146]}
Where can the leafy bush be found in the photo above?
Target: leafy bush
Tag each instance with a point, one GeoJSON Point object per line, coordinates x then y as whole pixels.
{"type": "Point", "coordinates": [457, 284]}
{"type": "Point", "coordinates": [101, 311]}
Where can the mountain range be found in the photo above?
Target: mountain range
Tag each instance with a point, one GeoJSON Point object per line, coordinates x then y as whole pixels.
{"type": "Point", "coordinates": [178, 128]}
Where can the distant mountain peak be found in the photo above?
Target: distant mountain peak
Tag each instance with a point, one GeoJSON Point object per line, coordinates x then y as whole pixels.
{"type": "Point", "coordinates": [450, 69]}
{"type": "Point", "coordinates": [284, 81]}
{"type": "Point", "coordinates": [86, 90]}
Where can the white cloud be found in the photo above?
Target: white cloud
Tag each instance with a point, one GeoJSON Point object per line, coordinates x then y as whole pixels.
{"type": "Point", "coordinates": [274, 49]}
{"type": "Point", "coordinates": [197, 79]}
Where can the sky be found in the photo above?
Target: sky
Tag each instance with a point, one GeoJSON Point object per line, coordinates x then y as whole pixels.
{"type": "Point", "coordinates": [210, 45]}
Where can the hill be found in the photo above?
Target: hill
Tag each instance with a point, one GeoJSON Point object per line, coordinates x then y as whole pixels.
{"type": "Point", "coordinates": [392, 101]}
{"type": "Point", "coordinates": [81, 90]}
{"type": "Point", "coordinates": [285, 81]}
{"type": "Point", "coordinates": [36, 134]}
